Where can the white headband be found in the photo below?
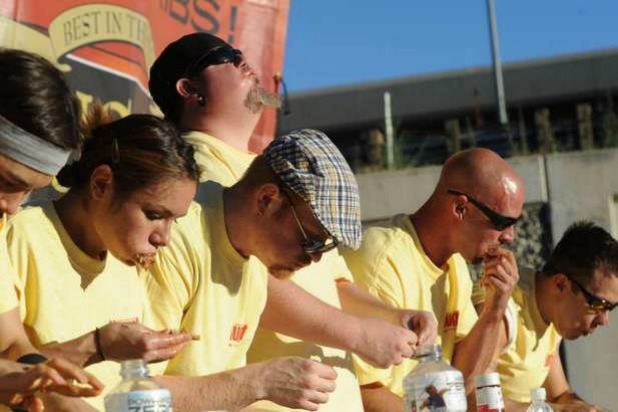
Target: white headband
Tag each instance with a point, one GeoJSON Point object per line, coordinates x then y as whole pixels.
{"type": "Point", "coordinates": [29, 150]}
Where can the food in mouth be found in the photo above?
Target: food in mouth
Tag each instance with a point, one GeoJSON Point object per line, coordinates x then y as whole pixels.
{"type": "Point", "coordinates": [144, 260]}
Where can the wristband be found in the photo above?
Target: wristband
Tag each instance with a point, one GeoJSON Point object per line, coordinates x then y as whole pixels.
{"type": "Point", "coordinates": [97, 344]}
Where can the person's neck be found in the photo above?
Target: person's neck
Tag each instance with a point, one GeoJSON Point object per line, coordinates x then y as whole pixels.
{"type": "Point", "coordinates": [541, 293]}
{"type": "Point", "coordinates": [78, 221]}
{"type": "Point", "coordinates": [235, 224]}
{"type": "Point", "coordinates": [234, 131]}
{"type": "Point", "coordinates": [432, 235]}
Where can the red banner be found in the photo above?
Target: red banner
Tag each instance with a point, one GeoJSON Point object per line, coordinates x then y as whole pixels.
{"type": "Point", "coordinates": [106, 48]}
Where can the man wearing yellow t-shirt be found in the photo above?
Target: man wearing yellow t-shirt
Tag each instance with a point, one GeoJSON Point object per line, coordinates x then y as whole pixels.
{"type": "Point", "coordinates": [297, 201]}
{"type": "Point", "coordinates": [217, 103]}
{"type": "Point", "coordinates": [418, 261]}
{"type": "Point", "coordinates": [571, 296]}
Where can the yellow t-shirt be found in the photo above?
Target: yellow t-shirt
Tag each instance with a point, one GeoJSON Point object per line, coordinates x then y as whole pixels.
{"type": "Point", "coordinates": [201, 284]}
{"type": "Point", "coordinates": [8, 299]}
{"type": "Point", "coordinates": [319, 279]}
{"type": "Point", "coordinates": [392, 265]}
{"type": "Point", "coordinates": [64, 293]}
{"type": "Point", "coordinates": [525, 363]}
{"type": "Point", "coordinates": [218, 161]}
{"type": "Point", "coordinates": [225, 165]}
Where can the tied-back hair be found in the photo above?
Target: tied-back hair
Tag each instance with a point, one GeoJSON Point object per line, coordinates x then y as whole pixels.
{"type": "Point", "coordinates": [584, 248]}
{"type": "Point", "coordinates": [142, 150]}
{"type": "Point", "coordinates": [36, 97]}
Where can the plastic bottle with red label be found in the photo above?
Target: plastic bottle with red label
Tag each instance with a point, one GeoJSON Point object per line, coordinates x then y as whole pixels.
{"type": "Point", "coordinates": [489, 393]}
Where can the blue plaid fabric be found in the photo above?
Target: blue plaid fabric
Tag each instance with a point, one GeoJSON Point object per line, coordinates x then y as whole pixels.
{"type": "Point", "coordinates": [312, 167]}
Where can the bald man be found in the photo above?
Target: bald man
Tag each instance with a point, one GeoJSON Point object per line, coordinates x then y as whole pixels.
{"type": "Point", "coordinates": [419, 261]}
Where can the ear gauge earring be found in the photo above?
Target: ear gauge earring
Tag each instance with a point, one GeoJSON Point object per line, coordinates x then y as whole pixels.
{"type": "Point", "coordinates": [201, 100]}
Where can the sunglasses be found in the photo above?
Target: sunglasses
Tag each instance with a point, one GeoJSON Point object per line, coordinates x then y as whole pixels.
{"type": "Point", "coordinates": [216, 56]}
{"type": "Point", "coordinates": [312, 245]}
{"type": "Point", "coordinates": [498, 221]}
{"type": "Point", "coordinates": [596, 304]}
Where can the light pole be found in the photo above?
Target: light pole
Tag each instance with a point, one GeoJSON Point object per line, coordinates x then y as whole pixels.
{"type": "Point", "coordinates": [495, 54]}
{"type": "Point", "coordinates": [390, 138]}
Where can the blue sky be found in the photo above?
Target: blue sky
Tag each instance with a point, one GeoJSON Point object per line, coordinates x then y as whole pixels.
{"type": "Point", "coordinates": [341, 42]}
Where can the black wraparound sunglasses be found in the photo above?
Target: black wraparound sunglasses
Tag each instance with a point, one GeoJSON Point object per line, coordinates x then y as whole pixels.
{"type": "Point", "coordinates": [596, 304]}
{"type": "Point", "coordinates": [218, 55]}
{"type": "Point", "coordinates": [498, 221]}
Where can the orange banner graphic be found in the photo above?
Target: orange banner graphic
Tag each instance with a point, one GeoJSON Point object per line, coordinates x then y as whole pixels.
{"type": "Point", "coordinates": [106, 48]}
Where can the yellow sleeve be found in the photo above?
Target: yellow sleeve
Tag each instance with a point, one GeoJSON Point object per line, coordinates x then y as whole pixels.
{"type": "Point", "coordinates": [18, 256]}
{"type": "Point", "coordinates": [463, 296]}
{"type": "Point", "coordinates": [467, 320]}
{"type": "Point", "coordinates": [374, 268]}
{"type": "Point", "coordinates": [8, 296]}
{"type": "Point", "coordinates": [340, 270]}
{"type": "Point", "coordinates": [171, 282]}
{"type": "Point", "coordinates": [8, 300]}
{"type": "Point", "coordinates": [385, 288]}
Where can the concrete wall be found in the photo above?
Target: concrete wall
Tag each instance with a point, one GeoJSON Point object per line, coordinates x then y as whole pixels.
{"type": "Point", "coordinates": [583, 185]}
{"type": "Point", "coordinates": [384, 194]}
{"type": "Point", "coordinates": [579, 185]}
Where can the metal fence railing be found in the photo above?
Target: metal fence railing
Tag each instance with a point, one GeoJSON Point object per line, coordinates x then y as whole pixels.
{"type": "Point", "coordinates": [414, 148]}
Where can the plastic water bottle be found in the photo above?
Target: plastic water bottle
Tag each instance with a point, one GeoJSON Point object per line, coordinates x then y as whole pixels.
{"type": "Point", "coordinates": [433, 385]}
{"type": "Point", "coordinates": [538, 404]}
{"type": "Point", "coordinates": [137, 392]}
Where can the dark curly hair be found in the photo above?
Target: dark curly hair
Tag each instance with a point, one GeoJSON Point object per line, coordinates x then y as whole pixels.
{"type": "Point", "coordinates": [141, 150]}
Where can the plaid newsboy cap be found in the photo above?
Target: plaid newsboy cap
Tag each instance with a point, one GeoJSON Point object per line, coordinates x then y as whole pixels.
{"type": "Point", "coordinates": [314, 169]}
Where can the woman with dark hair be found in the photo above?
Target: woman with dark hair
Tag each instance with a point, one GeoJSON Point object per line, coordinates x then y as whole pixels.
{"type": "Point", "coordinates": [38, 132]}
{"type": "Point", "coordinates": [76, 258]}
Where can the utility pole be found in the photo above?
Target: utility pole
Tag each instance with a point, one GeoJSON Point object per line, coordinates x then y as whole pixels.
{"type": "Point", "coordinates": [390, 138]}
{"type": "Point", "coordinates": [495, 54]}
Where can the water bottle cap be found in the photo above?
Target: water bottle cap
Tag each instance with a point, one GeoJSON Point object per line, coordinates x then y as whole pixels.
{"type": "Point", "coordinates": [489, 379]}
{"type": "Point", "coordinates": [538, 394]}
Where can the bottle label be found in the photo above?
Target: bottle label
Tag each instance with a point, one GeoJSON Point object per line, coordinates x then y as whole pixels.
{"type": "Point", "coordinates": [158, 400]}
{"type": "Point", "coordinates": [489, 399]}
{"type": "Point", "coordinates": [435, 392]}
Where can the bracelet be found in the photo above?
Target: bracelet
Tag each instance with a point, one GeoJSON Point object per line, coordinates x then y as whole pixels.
{"type": "Point", "coordinates": [97, 344]}
{"type": "Point", "coordinates": [32, 359]}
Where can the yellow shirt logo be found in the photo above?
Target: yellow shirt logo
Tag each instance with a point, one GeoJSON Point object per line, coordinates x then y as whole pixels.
{"type": "Point", "coordinates": [451, 319]}
{"type": "Point", "coordinates": [237, 333]}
